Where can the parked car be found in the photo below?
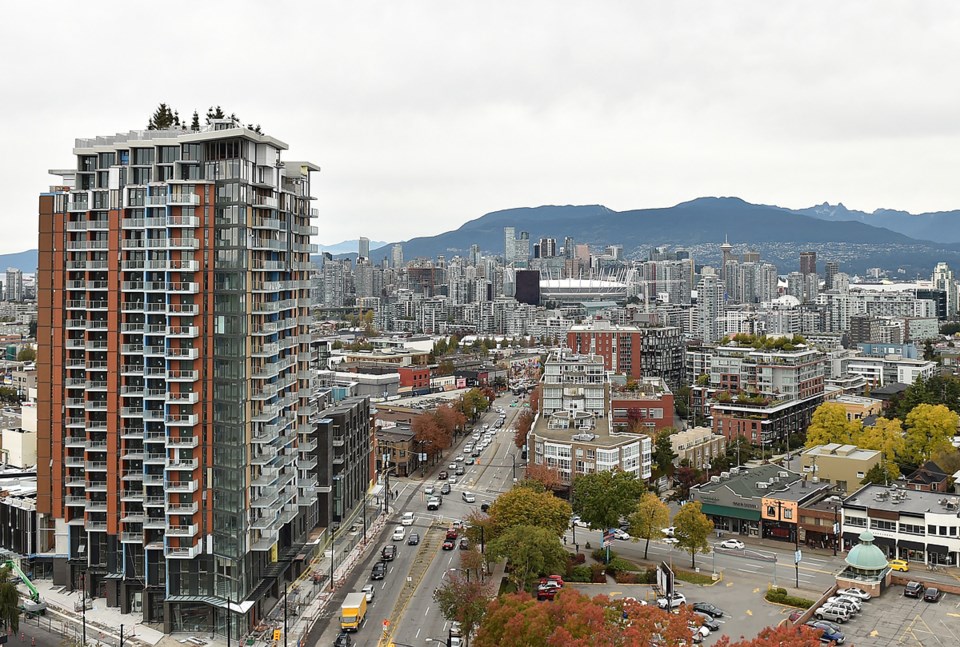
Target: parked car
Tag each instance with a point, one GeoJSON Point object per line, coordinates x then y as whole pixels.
{"type": "Point", "coordinates": [379, 571]}
{"type": "Point", "coordinates": [732, 544]}
{"type": "Point", "coordinates": [442, 475]}
{"type": "Point", "coordinates": [447, 544]}
{"type": "Point", "coordinates": [673, 603]}
{"type": "Point", "coordinates": [830, 634]}
{"type": "Point", "coordinates": [413, 539]}
{"type": "Point", "coordinates": [698, 632]}
{"type": "Point", "coordinates": [899, 565]}
{"type": "Point", "coordinates": [854, 592]}
{"type": "Point", "coordinates": [708, 621]}
{"type": "Point", "coordinates": [368, 591]}
{"type": "Point", "coordinates": [398, 533]}
{"type": "Point", "coordinates": [932, 594]}
{"type": "Point", "coordinates": [832, 612]}
{"type": "Point", "coordinates": [711, 610]}
{"type": "Point", "coordinates": [389, 552]}
{"type": "Point", "coordinates": [913, 589]}
{"type": "Point", "coordinates": [849, 604]}
{"type": "Point", "coordinates": [468, 497]}
{"type": "Point", "coordinates": [407, 519]}
{"type": "Point", "coordinates": [446, 489]}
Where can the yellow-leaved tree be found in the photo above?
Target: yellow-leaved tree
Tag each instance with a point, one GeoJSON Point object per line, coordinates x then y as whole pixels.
{"type": "Point", "coordinates": [887, 437]}
{"type": "Point", "coordinates": [929, 430]}
{"type": "Point", "coordinates": [830, 425]}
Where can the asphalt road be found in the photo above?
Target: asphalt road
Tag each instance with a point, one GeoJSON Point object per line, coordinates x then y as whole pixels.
{"type": "Point", "coordinates": [421, 620]}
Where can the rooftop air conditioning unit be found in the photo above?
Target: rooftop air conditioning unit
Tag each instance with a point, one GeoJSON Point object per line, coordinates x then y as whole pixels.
{"type": "Point", "coordinates": [724, 475]}
{"type": "Point", "coordinates": [784, 475]}
{"type": "Point", "coordinates": [714, 479]}
{"type": "Point", "coordinates": [762, 485]}
{"type": "Point", "coordinates": [815, 479]}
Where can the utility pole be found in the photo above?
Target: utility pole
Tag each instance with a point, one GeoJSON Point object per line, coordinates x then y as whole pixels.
{"type": "Point", "coordinates": [83, 605]}
{"type": "Point", "coordinates": [284, 614]}
{"type": "Point", "coordinates": [121, 635]}
{"type": "Point", "coordinates": [796, 543]}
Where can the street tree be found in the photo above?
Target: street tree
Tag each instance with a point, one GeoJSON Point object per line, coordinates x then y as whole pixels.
{"type": "Point", "coordinates": [524, 422]}
{"type": "Point", "coordinates": [830, 425]}
{"type": "Point", "coordinates": [9, 601]}
{"type": "Point", "coordinates": [885, 436]}
{"type": "Point", "coordinates": [691, 529]}
{"type": "Point", "coordinates": [603, 498]}
{"type": "Point", "coordinates": [649, 518]}
{"type": "Point", "coordinates": [529, 551]}
{"type": "Point", "coordinates": [526, 506]}
{"type": "Point", "coordinates": [929, 430]}
{"type": "Point", "coordinates": [547, 477]}
{"type": "Point", "coordinates": [462, 600]}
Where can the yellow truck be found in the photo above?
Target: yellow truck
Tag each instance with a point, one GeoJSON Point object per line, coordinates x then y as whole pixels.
{"type": "Point", "coordinates": [353, 612]}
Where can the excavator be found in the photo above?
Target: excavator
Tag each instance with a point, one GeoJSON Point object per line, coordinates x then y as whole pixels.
{"type": "Point", "coordinates": [34, 605]}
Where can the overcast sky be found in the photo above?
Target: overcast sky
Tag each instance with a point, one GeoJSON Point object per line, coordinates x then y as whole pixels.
{"type": "Point", "coordinates": [424, 115]}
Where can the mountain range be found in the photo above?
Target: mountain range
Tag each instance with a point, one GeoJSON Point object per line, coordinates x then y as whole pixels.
{"type": "Point", "coordinates": [903, 242]}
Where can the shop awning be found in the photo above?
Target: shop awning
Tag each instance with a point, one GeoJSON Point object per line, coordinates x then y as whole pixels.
{"type": "Point", "coordinates": [728, 511]}
{"type": "Point", "coordinates": [937, 548]}
{"type": "Point", "coordinates": [912, 545]}
{"type": "Point", "coordinates": [885, 541]}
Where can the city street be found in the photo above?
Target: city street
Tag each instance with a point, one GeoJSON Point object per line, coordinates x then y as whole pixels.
{"type": "Point", "coordinates": [419, 618]}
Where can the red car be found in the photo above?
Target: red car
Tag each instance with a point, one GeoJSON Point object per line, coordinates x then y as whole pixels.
{"type": "Point", "coordinates": [452, 533]}
{"type": "Point", "coordinates": [448, 544]}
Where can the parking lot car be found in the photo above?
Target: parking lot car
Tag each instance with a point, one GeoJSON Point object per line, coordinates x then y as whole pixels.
{"type": "Point", "coordinates": [442, 475]}
{"type": "Point", "coordinates": [709, 609]}
{"type": "Point", "coordinates": [699, 633]}
{"type": "Point", "coordinates": [854, 592]}
{"type": "Point", "coordinates": [852, 606]}
{"type": "Point", "coordinates": [413, 539]}
{"type": "Point", "coordinates": [447, 544]}
{"type": "Point", "coordinates": [445, 489]}
{"type": "Point", "coordinates": [673, 603]}
{"type": "Point", "coordinates": [389, 552]}
{"type": "Point", "coordinates": [899, 565]}
{"type": "Point", "coordinates": [831, 612]}
{"type": "Point", "coordinates": [407, 519]}
{"type": "Point", "coordinates": [932, 594]}
{"type": "Point", "coordinates": [732, 544]}
{"type": "Point", "coordinates": [468, 497]}
{"type": "Point", "coordinates": [429, 490]}
{"type": "Point", "coordinates": [708, 621]}
{"type": "Point", "coordinates": [398, 533]}
{"type": "Point", "coordinates": [913, 589]}
{"type": "Point", "coordinates": [368, 591]}
{"type": "Point", "coordinates": [379, 571]}
{"type": "Point", "coordinates": [831, 633]}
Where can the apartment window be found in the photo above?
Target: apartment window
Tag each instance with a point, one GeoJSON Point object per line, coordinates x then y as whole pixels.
{"type": "Point", "coordinates": [881, 524]}
{"type": "Point", "coordinates": [860, 475]}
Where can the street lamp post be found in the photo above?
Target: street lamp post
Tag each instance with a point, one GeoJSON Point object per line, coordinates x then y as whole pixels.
{"type": "Point", "coordinates": [83, 605]}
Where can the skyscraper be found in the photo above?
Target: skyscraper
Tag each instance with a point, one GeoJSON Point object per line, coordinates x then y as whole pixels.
{"type": "Point", "coordinates": [175, 442]}
{"type": "Point", "coordinates": [13, 284]}
{"type": "Point", "coordinates": [364, 247]}
{"type": "Point", "coordinates": [830, 270]}
{"type": "Point", "coordinates": [808, 263]}
{"type": "Point", "coordinates": [396, 255]}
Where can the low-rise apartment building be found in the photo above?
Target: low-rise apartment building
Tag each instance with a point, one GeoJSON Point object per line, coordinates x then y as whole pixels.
{"type": "Point", "coordinates": [645, 404]}
{"type": "Point", "coordinates": [698, 445]}
{"type": "Point", "coordinates": [843, 466]}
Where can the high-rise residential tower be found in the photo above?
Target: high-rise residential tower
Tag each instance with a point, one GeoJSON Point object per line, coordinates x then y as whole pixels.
{"type": "Point", "coordinates": [363, 247]}
{"type": "Point", "coordinates": [13, 285]}
{"type": "Point", "coordinates": [808, 263]}
{"type": "Point", "coordinates": [174, 413]}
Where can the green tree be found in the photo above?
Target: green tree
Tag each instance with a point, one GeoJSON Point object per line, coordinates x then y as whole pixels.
{"type": "Point", "coordinates": [830, 425]}
{"type": "Point", "coordinates": [649, 519]}
{"type": "Point", "coordinates": [691, 529]}
{"type": "Point", "coordinates": [530, 551]}
{"type": "Point", "coordinates": [929, 430]}
{"type": "Point", "coordinates": [27, 355]}
{"type": "Point", "coordinates": [663, 454]}
{"type": "Point", "coordinates": [939, 389]}
{"type": "Point", "coordinates": [163, 118]}
{"type": "Point", "coordinates": [603, 498]}
{"type": "Point", "coordinates": [526, 506]}
{"type": "Point", "coordinates": [195, 122]}
{"type": "Point", "coordinates": [214, 113]}
{"type": "Point", "coordinates": [32, 329]}
{"type": "Point", "coordinates": [885, 436]}
{"type": "Point", "coordinates": [9, 601]}
{"type": "Point", "coordinates": [881, 474]}
{"type": "Point", "coordinates": [462, 600]}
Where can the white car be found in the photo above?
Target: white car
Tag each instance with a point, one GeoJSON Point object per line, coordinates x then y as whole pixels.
{"type": "Point", "coordinates": [407, 519]}
{"type": "Point", "coordinates": [619, 533]}
{"type": "Point", "coordinates": [577, 521]}
{"type": "Point", "coordinates": [854, 592]}
{"type": "Point", "coordinates": [853, 606]}
{"type": "Point", "coordinates": [467, 449]}
{"type": "Point", "coordinates": [368, 591]}
{"type": "Point", "coordinates": [733, 544]}
{"type": "Point", "coordinates": [429, 490]}
{"type": "Point", "coordinates": [468, 497]}
{"type": "Point", "coordinates": [668, 531]}
{"type": "Point", "coordinates": [452, 480]}
{"type": "Point", "coordinates": [676, 601]}
{"type": "Point", "coordinates": [458, 459]}
{"type": "Point", "coordinates": [452, 466]}
{"type": "Point", "coordinates": [398, 533]}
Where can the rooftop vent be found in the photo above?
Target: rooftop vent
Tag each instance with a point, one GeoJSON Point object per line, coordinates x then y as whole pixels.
{"type": "Point", "coordinates": [762, 485]}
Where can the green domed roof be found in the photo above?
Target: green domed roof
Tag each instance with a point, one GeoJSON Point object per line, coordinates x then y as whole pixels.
{"type": "Point", "coordinates": [865, 556]}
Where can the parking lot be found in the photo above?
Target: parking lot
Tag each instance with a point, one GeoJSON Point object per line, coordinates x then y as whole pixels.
{"type": "Point", "coordinates": [888, 621]}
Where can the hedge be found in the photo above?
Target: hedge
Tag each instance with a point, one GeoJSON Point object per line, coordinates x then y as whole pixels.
{"type": "Point", "coordinates": [779, 596]}
{"type": "Point", "coordinates": [580, 574]}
